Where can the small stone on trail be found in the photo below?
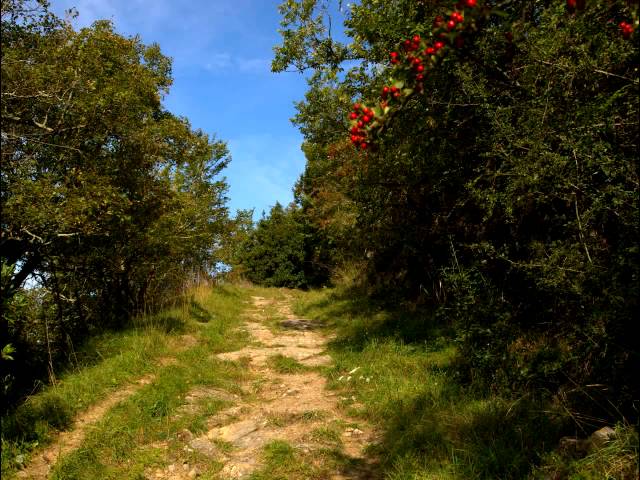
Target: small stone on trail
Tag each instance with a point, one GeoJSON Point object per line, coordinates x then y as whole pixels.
{"type": "Point", "coordinates": [204, 446]}
{"type": "Point", "coordinates": [599, 438]}
{"type": "Point", "coordinates": [234, 432]}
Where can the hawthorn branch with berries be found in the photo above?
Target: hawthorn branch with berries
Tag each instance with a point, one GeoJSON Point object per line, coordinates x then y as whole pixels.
{"type": "Point", "coordinates": [411, 65]}
{"type": "Point", "coordinates": [417, 56]}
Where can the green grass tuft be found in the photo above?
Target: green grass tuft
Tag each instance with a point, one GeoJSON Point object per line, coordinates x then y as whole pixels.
{"type": "Point", "coordinates": [431, 425]}
{"type": "Point", "coordinates": [285, 365]}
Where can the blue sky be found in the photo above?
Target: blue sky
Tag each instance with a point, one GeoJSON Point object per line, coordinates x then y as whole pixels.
{"type": "Point", "coordinates": [222, 51]}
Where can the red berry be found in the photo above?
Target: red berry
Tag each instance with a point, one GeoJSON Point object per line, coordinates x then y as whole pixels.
{"type": "Point", "coordinates": [394, 89]}
{"type": "Point", "coordinates": [430, 51]}
{"type": "Point", "coordinates": [396, 94]}
{"type": "Point", "coordinates": [355, 130]}
{"type": "Point", "coordinates": [438, 45]}
{"type": "Point", "coordinates": [355, 138]}
{"type": "Point", "coordinates": [571, 5]}
{"type": "Point", "coordinates": [471, 3]}
{"type": "Point", "coordinates": [451, 24]}
{"type": "Point", "coordinates": [393, 54]}
{"type": "Point", "coordinates": [385, 89]}
{"type": "Point", "coordinates": [419, 77]}
{"type": "Point", "coordinates": [356, 106]}
{"type": "Point", "coordinates": [360, 124]}
{"type": "Point", "coordinates": [420, 68]}
{"type": "Point", "coordinates": [416, 39]}
{"type": "Point", "coordinates": [366, 119]}
{"type": "Point", "coordinates": [626, 28]}
{"type": "Point", "coordinates": [353, 115]}
{"type": "Point", "coordinates": [395, 61]}
{"type": "Point", "coordinates": [437, 22]}
{"type": "Point", "coordinates": [407, 44]}
{"type": "Point", "coordinates": [363, 145]}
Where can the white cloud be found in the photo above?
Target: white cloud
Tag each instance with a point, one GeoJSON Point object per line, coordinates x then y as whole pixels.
{"type": "Point", "coordinates": [255, 65]}
{"type": "Point", "coordinates": [187, 31]}
{"type": "Point", "coordinates": [218, 61]}
{"type": "Point", "coordinates": [225, 62]}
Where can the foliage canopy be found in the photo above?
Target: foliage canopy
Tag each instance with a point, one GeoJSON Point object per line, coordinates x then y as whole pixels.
{"type": "Point", "coordinates": [109, 202]}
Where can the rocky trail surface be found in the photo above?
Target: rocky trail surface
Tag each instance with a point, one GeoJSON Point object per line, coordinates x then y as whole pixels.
{"type": "Point", "coordinates": [281, 406]}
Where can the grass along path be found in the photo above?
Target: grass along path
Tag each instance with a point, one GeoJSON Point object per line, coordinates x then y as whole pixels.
{"type": "Point", "coordinates": [98, 420]}
{"type": "Point", "coordinates": [69, 440]}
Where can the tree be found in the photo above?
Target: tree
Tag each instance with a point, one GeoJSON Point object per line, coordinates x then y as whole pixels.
{"type": "Point", "coordinates": [280, 251]}
{"type": "Point", "coordinates": [109, 202]}
{"type": "Point", "coordinates": [503, 194]}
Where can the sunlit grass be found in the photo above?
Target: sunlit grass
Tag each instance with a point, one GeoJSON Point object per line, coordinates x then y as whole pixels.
{"type": "Point", "coordinates": [112, 360]}
{"type": "Point", "coordinates": [397, 372]}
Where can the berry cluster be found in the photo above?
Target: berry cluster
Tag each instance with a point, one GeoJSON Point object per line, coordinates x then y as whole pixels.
{"type": "Point", "coordinates": [626, 29]}
{"type": "Point", "coordinates": [361, 117]}
{"type": "Point", "coordinates": [411, 63]}
{"type": "Point", "coordinates": [573, 5]}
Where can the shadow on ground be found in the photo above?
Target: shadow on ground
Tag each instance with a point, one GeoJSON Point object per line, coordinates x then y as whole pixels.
{"type": "Point", "coordinates": [449, 431]}
{"type": "Point", "coordinates": [359, 319]}
{"type": "Point", "coordinates": [199, 313]}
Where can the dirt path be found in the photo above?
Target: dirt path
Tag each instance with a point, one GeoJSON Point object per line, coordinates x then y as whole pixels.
{"type": "Point", "coordinates": [69, 440]}
{"type": "Point", "coordinates": [288, 407]}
